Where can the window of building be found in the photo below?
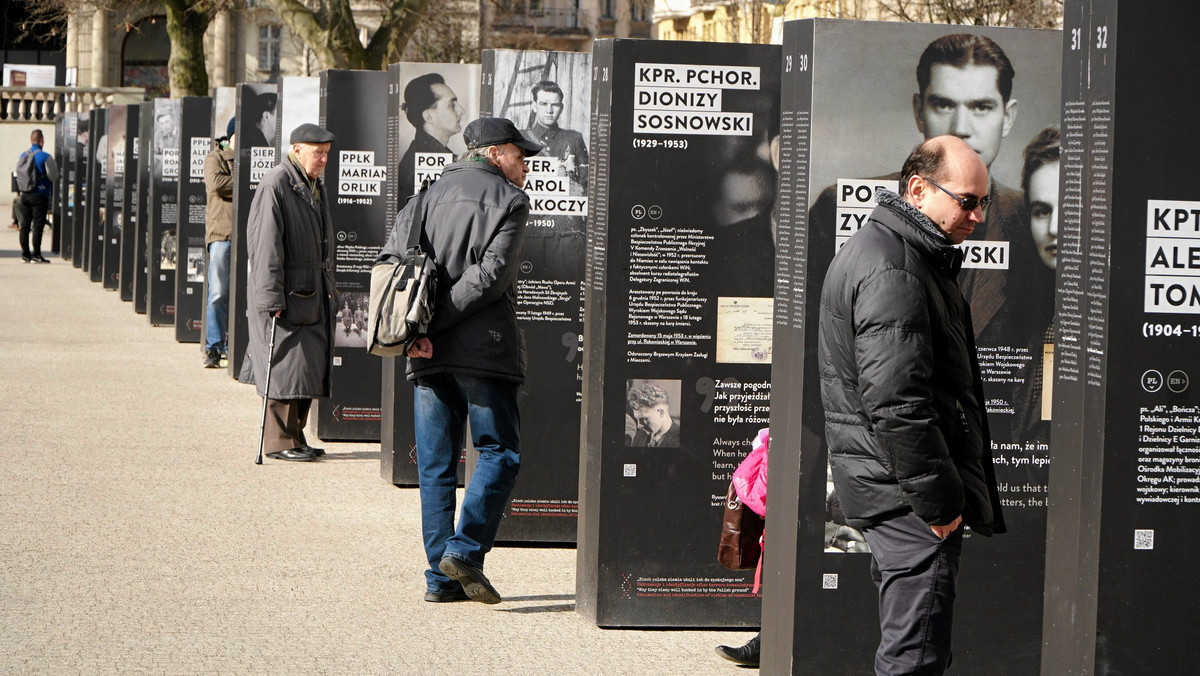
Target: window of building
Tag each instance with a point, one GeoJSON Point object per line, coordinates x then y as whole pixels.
{"type": "Point", "coordinates": [606, 9]}
{"type": "Point", "coordinates": [637, 10]}
{"type": "Point", "coordinates": [268, 46]}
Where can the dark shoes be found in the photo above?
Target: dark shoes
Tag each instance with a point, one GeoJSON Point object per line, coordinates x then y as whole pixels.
{"type": "Point", "coordinates": [298, 454]}
{"type": "Point", "coordinates": [456, 594]}
{"type": "Point", "coordinates": [212, 358]}
{"type": "Point", "coordinates": [747, 655]}
{"type": "Point", "coordinates": [26, 259]}
{"type": "Point", "coordinates": [40, 259]}
{"type": "Point", "coordinates": [472, 579]}
{"type": "Point", "coordinates": [314, 450]}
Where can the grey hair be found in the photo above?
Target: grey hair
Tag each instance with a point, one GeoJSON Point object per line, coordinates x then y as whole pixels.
{"type": "Point", "coordinates": [478, 154]}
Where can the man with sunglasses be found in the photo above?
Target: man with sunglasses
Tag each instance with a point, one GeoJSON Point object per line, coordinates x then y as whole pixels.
{"type": "Point", "coordinates": [904, 407]}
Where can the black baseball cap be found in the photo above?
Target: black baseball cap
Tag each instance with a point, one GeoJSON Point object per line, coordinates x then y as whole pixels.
{"type": "Point", "coordinates": [495, 131]}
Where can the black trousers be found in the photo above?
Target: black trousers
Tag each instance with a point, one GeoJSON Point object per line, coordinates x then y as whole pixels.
{"type": "Point", "coordinates": [31, 216]}
{"type": "Point", "coordinates": [915, 573]}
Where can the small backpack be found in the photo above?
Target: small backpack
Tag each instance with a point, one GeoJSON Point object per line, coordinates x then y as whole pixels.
{"type": "Point", "coordinates": [27, 173]}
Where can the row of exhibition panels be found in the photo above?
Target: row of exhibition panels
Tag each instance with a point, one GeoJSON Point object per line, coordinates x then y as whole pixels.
{"type": "Point", "coordinates": [690, 198]}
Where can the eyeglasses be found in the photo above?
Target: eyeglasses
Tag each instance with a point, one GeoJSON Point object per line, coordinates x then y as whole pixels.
{"type": "Point", "coordinates": [967, 203]}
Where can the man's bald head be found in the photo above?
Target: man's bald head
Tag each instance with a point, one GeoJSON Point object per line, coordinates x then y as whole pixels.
{"type": "Point", "coordinates": [938, 167]}
{"type": "Point", "coordinates": [935, 158]}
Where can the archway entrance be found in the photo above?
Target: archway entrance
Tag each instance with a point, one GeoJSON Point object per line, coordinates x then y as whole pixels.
{"type": "Point", "coordinates": [144, 57]}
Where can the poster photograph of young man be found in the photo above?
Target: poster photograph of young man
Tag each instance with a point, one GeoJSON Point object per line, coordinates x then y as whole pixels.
{"type": "Point", "coordinates": [436, 102]}
{"type": "Point", "coordinates": [652, 413]}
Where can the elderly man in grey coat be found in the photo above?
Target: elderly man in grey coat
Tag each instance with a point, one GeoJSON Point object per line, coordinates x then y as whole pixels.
{"type": "Point", "coordinates": [290, 284]}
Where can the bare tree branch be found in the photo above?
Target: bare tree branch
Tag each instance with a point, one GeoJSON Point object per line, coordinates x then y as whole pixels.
{"type": "Point", "coordinates": [1023, 13]}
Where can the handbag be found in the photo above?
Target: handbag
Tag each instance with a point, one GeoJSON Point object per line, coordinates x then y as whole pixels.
{"type": "Point", "coordinates": [741, 534]}
{"type": "Point", "coordinates": [403, 291]}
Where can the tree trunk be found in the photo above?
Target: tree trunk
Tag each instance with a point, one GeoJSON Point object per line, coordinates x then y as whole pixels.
{"type": "Point", "coordinates": [186, 68]}
{"type": "Point", "coordinates": [332, 34]}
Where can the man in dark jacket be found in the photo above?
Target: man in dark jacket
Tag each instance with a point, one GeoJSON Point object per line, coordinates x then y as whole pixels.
{"type": "Point", "coordinates": [32, 205]}
{"type": "Point", "coordinates": [904, 409]}
{"type": "Point", "coordinates": [218, 226]}
{"type": "Point", "coordinates": [471, 364]}
{"type": "Point", "coordinates": [290, 283]}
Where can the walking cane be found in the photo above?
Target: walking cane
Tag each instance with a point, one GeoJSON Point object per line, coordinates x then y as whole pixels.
{"type": "Point", "coordinates": [262, 429]}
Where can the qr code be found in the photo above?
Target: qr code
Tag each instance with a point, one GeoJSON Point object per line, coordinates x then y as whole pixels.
{"type": "Point", "coordinates": [630, 470]}
{"type": "Point", "coordinates": [829, 580]}
{"type": "Point", "coordinates": [1143, 539]}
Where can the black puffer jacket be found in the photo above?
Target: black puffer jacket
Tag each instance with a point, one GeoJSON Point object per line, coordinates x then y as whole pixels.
{"type": "Point", "coordinates": [474, 226]}
{"type": "Point", "coordinates": [904, 416]}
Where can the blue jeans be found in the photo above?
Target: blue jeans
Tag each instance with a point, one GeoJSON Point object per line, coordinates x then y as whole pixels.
{"type": "Point", "coordinates": [217, 317]}
{"type": "Point", "coordinates": [443, 404]}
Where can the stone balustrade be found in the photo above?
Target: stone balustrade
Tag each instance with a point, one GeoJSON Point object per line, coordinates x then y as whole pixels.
{"type": "Point", "coordinates": [45, 104]}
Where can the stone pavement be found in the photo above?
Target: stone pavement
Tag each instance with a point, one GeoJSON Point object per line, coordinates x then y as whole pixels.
{"type": "Point", "coordinates": [137, 536]}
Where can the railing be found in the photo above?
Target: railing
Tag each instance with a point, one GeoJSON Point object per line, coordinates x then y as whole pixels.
{"type": "Point", "coordinates": [541, 18]}
{"type": "Point", "coordinates": [45, 104]}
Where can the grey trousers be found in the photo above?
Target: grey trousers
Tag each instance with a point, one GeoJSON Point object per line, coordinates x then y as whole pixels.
{"type": "Point", "coordinates": [915, 573]}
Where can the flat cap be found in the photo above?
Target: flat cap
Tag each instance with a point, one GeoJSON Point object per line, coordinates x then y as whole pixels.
{"type": "Point", "coordinates": [495, 131]}
{"type": "Point", "coordinates": [311, 133]}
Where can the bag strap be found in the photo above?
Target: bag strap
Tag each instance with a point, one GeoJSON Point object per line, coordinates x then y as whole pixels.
{"type": "Point", "coordinates": [418, 225]}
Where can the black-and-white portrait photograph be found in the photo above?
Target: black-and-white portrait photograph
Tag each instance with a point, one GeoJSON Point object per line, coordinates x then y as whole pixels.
{"type": "Point", "coordinates": [195, 264]}
{"type": "Point", "coordinates": [256, 128]}
{"type": "Point", "coordinates": [548, 96]}
{"type": "Point", "coordinates": [350, 320]}
{"type": "Point", "coordinates": [164, 145]}
{"type": "Point", "coordinates": [436, 101]}
{"type": "Point", "coordinates": [169, 251]}
{"type": "Point", "coordinates": [944, 80]}
{"type": "Point", "coordinates": [81, 138]}
{"type": "Point", "coordinates": [652, 413]}
{"type": "Point", "coordinates": [224, 109]}
{"type": "Point", "coordinates": [994, 89]}
{"type": "Point", "coordinates": [115, 154]}
{"type": "Point", "coordinates": [299, 102]}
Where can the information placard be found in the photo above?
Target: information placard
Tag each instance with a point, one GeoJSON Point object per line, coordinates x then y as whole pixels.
{"type": "Point", "coordinates": [194, 146]}
{"type": "Point", "coordinates": [65, 191]}
{"type": "Point", "coordinates": [1125, 482]}
{"type": "Point", "coordinates": [98, 186]}
{"type": "Point", "coordinates": [548, 96]}
{"type": "Point", "coordinates": [129, 165]}
{"type": "Point", "coordinates": [114, 194]}
{"type": "Point", "coordinates": [255, 156]}
{"type": "Point", "coordinates": [162, 245]}
{"type": "Point", "coordinates": [844, 138]}
{"type": "Point", "coordinates": [79, 160]}
{"type": "Point", "coordinates": [665, 418]}
{"type": "Point", "coordinates": [354, 109]}
{"type": "Point", "coordinates": [141, 222]}
{"type": "Point", "coordinates": [413, 90]}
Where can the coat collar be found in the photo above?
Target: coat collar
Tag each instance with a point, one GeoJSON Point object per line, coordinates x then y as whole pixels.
{"type": "Point", "coordinates": [300, 183]}
{"type": "Point", "coordinates": [920, 232]}
{"type": "Point", "coordinates": [475, 165]}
